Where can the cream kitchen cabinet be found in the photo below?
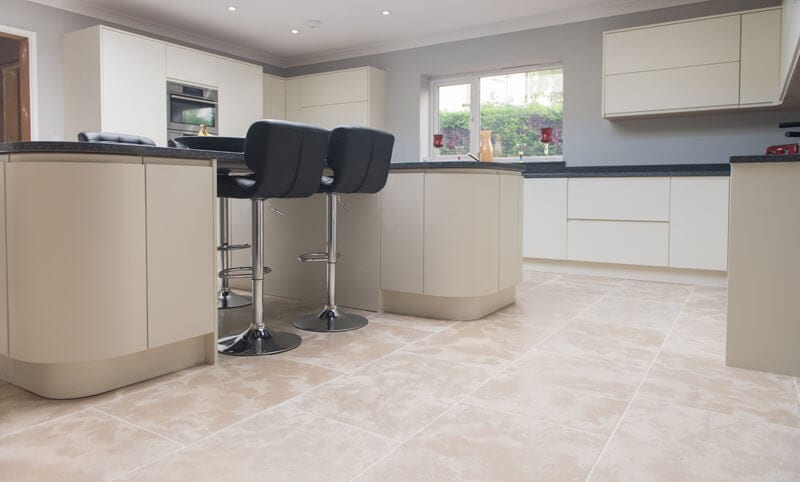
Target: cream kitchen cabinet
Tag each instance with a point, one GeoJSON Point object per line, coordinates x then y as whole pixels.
{"type": "Point", "coordinates": [241, 92]}
{"type": "Point", "coordinates": [104, 93]}
{"type": "Point", "coordinates": [698, 228]}
{"type": "Point", "coordinates": [192, 66]}
{"type": "Point", "coordinates": [618, 242]}
{"type": "Point", "coordinates": [618, 198]}
{"type": "Point", "coordinates": [3, 264]}
{"type": "Point", "coordinates": [274, 97]}
{"type": "Point", "coordinates": [353, 96]}
{"type": "Point", "coordinates": [723, 62]}
{"type": "Point", "coordinates": [790, 42]}
{"type": "Point", "coordinates": [545, 218]}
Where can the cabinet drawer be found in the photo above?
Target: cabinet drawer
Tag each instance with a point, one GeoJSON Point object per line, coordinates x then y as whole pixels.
{"type": "Point", "coordinates": [702, 87]}
{"type": "Point", "coordinates": [622, 242]}
{"type": "Point", "coordinates": [699, 42]}
{"type": "Point", "coordinates": [334, 88]}
{"type": "Point", "coordinates": [626, 199]}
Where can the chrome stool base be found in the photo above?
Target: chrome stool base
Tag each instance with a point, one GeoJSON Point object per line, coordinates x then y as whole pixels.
{"type": "Point", "coordinates": [255, 341]}
{"type": "Point", "coordinates": [229, 299]}
{"type": "Point", "coordinates": [331, 320]}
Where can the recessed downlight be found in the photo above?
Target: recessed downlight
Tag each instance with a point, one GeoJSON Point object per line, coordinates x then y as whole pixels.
{"type": "Point", "coordinates": [386, 12]}
{"type": "Point", "coordinates": [294, 31]}
{"type": "Point", "coordinates": [232, 8]}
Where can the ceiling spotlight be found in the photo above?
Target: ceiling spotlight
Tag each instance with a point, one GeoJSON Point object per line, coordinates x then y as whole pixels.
{"type": "Point", "coordinates": [385, 12]}
{"type": "Point", "coordinates": [232, 8]}
{"type": "Point", "coordinates": [294, 31]}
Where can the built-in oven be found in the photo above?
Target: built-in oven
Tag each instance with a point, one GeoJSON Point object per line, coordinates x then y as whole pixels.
{"type": "Point", "coordinates": [188, 108]}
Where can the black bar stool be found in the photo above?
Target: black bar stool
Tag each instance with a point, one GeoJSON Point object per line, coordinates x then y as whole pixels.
{"type": "Point", "coordinates": [360, 159]}
{"type": "Point", "coordinates": [287, 160]}
{"type": "Point", "coordinates": [225, 297]}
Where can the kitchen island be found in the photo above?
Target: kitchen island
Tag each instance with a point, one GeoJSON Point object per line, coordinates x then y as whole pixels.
{"type": "Point", "coordinates": [109, 256]}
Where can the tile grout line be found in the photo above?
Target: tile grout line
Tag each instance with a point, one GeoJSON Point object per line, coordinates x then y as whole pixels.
{"type": "Point", "coordinates": [45, 422]}
{"type": "Point", "coordinates": [463, 398]}
{"type": "Point", "coordinates": [638, 388]}
{"type": "Point", "coordinates": [137, 426]}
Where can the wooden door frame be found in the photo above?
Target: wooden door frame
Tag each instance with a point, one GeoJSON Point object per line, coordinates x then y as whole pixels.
{"type": "Point", "coordinates": [33, 72]}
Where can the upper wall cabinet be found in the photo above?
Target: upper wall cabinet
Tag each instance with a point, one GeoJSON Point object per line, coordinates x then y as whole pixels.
{"type": "Point", "coordinates": [790, 41]}
{"type": "Point", "coordinates": [354, 96]}
{"type": "Point", "coordinates": [722, 62]}
{"type": "Point", "coordinates": [274, 97]}
{"type": "Point", "coordinates": [241, 93]}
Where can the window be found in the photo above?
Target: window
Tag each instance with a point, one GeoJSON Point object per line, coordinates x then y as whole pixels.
{"type": "Point", "coordinates": [513, 105]}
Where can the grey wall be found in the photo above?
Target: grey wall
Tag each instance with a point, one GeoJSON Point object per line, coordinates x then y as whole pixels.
{"type": "Point", "coordinates": [50, 24]}
{"type": "Point", "coordinates": [588, 138]}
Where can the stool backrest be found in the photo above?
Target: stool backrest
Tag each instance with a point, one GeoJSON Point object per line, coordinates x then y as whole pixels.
{"type": "Point", "coordinates": [114, 138]}
{"type": "Point", "coordinates": [287, 158]}
{"type": "Point", "coordinates": [360, 159]}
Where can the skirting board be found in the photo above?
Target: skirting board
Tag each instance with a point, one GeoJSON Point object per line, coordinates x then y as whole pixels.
{"type": "Point", "coordinates": [446, 308]}
{"type": "Point", "coordinates": [644, 273]}
{"type": "Point", "coordinates": [76, 380]}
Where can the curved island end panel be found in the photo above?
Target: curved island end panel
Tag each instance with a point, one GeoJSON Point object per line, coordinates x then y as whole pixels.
{"type": "Point", "coordinates": [110, 261]}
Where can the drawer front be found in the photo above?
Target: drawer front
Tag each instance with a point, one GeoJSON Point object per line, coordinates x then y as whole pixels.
{"type": "Point", "coordinates": [703, 87]}
{"type": "Point", "coordinates": [620, 242]}
{"type": "Point", "coordinates": [624, 199]}
{"type": "Point", "coordinates": [699, 42]}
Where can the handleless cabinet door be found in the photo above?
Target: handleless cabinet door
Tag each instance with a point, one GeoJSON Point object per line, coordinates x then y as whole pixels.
{"type": "Point", "coordinates": [134, 99]}
{"type": "Point", "coordinates": [181, 251]}
{"type": "Point", "coordinates": [457, 203]}
{"type": "Point", "coordinates": [241, 92]}
{"type": "Point", "coordinates": [274, 97]}
{"type": "Point", "coordinates": [191, 66]}
{"type": "Point", "coordinates": [402, 229]}
{"type": "Point", "coordinates": [3, 265]}
{"type": "Point", "coordinates": [510, 249]}
{"type": "Point", "coordinates": [698, 229]}
{"type": "Point", "coordinates": [83, 217]}
{"type": "Point", "coordinates": [761, 47]}
{"type": "Point", "coordinates": [545, 219]}
{"type": "Point", "coordinates": [619, 198]}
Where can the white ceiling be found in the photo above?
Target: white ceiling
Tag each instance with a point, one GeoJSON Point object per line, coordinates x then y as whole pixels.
{"type": "Point", "coordinates": [259, 29]}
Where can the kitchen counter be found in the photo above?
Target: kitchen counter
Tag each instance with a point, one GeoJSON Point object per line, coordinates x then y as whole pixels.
{"type": "Point", "coordinates": [67, 147]}
{"type": "Point", "coordinates": [764, 158]}
{"type": "Point", "coordinates": [497, 166]}
{"type": "Point", "coordinates": [560, 169]}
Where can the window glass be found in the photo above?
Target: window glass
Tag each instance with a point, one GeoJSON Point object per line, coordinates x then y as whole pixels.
{"type": "Point", "coordinates": [515, 107]}
{"type": "Point", "coordinates": [454, 117]}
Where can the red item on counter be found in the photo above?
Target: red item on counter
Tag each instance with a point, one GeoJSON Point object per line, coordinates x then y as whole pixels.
{"type": "Point", "coordinates": [783, 149]}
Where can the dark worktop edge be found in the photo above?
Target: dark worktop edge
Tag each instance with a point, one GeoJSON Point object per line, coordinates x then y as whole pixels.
{"type": "Point", "coordinates": [765, 158]}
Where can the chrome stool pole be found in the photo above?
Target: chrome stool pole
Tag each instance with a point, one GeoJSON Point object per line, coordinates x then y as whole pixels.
{"type": "Point", "coordinates": [330, 319]}
{"type": "Point", "coordinates": [257, 340]}
{"type": "Point", "coordinates": [227, 298]}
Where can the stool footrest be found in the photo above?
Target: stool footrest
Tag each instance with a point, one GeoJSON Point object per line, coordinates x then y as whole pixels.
{"type": "Point", "coordinates": [313, 257]}
{"type": "Point", "coordinates": [240, 272]}
{"type": "Point", "coordinates": [232, 247]}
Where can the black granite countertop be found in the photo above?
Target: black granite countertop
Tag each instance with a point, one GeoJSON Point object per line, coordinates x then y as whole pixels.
{"type": "Point", "coordinates": [560, 169]}
{"type": "Point", "coordinates": [500, 166]}
{"type": "Point", "coordinates": [763, 158]}
{"type": "Point", "coordinates": [119, 149]}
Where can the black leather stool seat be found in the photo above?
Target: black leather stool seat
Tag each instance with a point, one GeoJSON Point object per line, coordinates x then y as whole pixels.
{"type": "Point", "coordinates": [237, 187]}
{"type": "Point", "coordinates": [360, 159]}
{"type": "Point", "coordinates": [114, 138]}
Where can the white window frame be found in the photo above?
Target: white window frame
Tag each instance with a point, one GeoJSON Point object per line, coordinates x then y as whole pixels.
{"type": "Point", "coordinates": [474, 81]}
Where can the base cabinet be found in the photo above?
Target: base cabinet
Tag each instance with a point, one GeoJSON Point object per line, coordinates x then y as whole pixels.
{"type": "Point", "coordinates": [698, 228]}
{"type": "Point", "coordinates": [545, 219]}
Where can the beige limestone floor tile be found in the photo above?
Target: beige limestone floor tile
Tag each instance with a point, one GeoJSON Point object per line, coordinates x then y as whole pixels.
{"type": "Point", "coordinates": [636, 312]}
{"type": "Point", "coordinates": [19, 409]}
{"type": "Point", "coordinates": [611, 340]}
{"type": "Point", "coordinates": [202, 403]}
{"type": "Point", "coordinates": [349, 350]}
{"type": "Point", "coordinates": [396, 395]}
{"type": "Point", "coordinates": [662, 441]}
{"type": "Point", "coordinates": [706, 383]}
{"type": "Point", "coordinates": [537, 277]}
{"type": "Point", "coordinates": [279, 445]}
{"type": "Point", "coordinates": [653, 291]}
{"type": "Point", "coordinates": [472, 444]}
{"type": "Point", "coordinates": [583, 391]}
{"type": "Point", "coordinates": [697, 333]}
{"type": "Point", "coordinates": [490, 342]}
{"type": "Point", "coordinates": [417, 323]}
{"type": "Point", "coordinates": [541, 308]}
{"type": "Point", "coordinates": [84, 446]}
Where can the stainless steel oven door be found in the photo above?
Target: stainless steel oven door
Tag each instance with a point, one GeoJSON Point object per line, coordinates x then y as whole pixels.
{"type": "Point", "coordinates": [188, 113]}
